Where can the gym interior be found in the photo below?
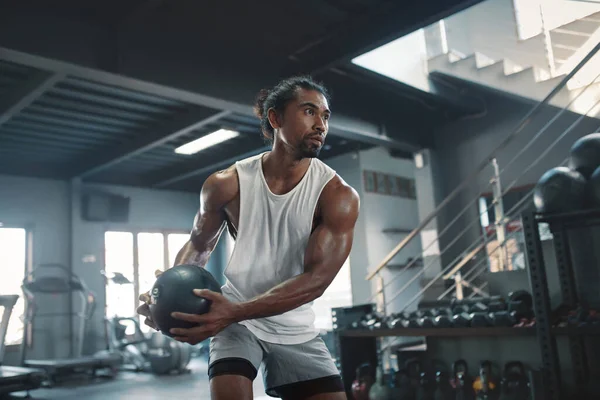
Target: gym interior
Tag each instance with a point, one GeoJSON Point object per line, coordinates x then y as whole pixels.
{"type": "Point", "coordinates": [468, 128]}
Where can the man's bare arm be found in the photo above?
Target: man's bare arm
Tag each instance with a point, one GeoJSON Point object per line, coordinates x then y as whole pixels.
{"type": "Point", "coordinates": [328, 248]}
{"type": "Point", "coordinates": [218, 190]}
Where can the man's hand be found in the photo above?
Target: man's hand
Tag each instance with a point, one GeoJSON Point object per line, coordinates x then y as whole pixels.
{"type": "Point", "coordinates": [221, 314]}
{"type": "Point", "coordinates": [144, 309]}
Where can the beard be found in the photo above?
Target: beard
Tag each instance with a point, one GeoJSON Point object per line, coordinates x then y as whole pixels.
{"type": "Point", "coordinates": [309, 150]}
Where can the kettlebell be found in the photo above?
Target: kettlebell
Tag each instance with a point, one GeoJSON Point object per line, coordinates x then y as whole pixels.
{"type": "Point", "coordinates": [363, 382]}
{"type": "Point", "coordinates": [461, 381]}
{"type": "Point", "coordinates": [514, 385]}
{"type": "Point", "coordinates": [484, 385]}
{"type": "Point", "coordinates": [413, 367]}
{"type": "Point", "coordinates": [401, 388]}
{"type": "Point", "coordinates": [443, 390]}
{"type": "Point", "coordinates": [379, 390]}
{"type": "Point", "coordinates": [426, 388]}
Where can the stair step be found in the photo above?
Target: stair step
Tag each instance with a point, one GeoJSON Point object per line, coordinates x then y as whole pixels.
{"type": "Point", "coordinates": [469, 60]}
{"type": "Point", "coordinates": [568, 38]}
{"type": "Point", "coordinates": [581, 25]}
{"type": "Point", "coordinates": [495, 70]}
{"type": "Point", "coordinates": [437, 63]}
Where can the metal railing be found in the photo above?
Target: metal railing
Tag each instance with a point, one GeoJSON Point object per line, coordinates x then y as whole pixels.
{"type": "Point", "coordinates": [479, 245]}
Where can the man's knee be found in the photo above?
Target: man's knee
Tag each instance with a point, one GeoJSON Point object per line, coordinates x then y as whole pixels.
{"type": "Point", "coordinates": [230, 387]}
{"type": "Point", "coordinates": [232, 366]}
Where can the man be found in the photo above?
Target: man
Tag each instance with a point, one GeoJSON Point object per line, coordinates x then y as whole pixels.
{"type": "Point", "coordinates": [293, 220]}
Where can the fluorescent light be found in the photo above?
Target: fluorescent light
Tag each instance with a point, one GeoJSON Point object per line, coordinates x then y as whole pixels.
{"type": "Point", "coordinates": [206, 141]}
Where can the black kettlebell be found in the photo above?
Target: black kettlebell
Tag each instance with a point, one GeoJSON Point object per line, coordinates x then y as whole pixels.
{"type": "Point", "coordinates": [402, 389]}
{"type": "Point", "coordinates": [426, 388]}
{"type": "Point", "coordinates": [443, 390]}
{"type": "Point", "coordinates": [514, 385]}
{"type": "Point", "coordinates": [461, 382]}
{"type": "Point", "coordinates": [173, 291]}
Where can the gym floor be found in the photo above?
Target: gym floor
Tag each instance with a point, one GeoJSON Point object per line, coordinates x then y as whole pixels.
{"type": "Point", "coordinates": [141, 386]}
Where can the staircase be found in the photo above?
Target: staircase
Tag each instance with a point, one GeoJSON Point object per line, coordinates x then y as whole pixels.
{"type": "Point", "coordinates": [528, 68]}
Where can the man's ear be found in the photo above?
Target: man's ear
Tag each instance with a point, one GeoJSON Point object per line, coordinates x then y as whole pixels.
{"type": "Point", "coordinates": [274, 118]}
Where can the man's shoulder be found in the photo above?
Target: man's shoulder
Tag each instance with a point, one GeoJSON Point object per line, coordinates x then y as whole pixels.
{"type": "Point", "coordinates": [221, 187]}
{"type": "Point", "coordinates": [338, 190]}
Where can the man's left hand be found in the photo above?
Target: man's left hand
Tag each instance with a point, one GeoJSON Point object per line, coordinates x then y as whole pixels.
{"type": "Point", "coordinates": [221, 314]}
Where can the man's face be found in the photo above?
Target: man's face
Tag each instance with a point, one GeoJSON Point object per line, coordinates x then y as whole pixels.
{"type": "Point", "coordinates": [305, 123]}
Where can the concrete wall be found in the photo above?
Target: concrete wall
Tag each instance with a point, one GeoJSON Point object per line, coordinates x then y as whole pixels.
{"type": "Point", "coordinates": [462, 146]}
{"type": "Point", "coordinates": [44, 207]}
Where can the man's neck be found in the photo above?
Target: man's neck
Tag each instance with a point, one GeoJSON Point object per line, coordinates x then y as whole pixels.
{"type": "Point", "coordinates": [279, 164]}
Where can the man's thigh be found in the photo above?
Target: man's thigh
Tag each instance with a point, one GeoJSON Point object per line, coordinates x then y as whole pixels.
{"type": "Point", "coordinates": [234, 351]}
{"type": "Point", "coordinates": [302, 371]}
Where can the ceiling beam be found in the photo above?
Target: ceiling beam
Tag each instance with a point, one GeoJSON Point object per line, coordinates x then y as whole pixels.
{"type": "Point", "coordinates": [22, 96]}
{"type": "Point", "coordinates": [353, 128]}
{"type": "Point", "coordinates": [360, 35]}
{"type": "Point", "coordinates": [203, 169]}
{"type": "Point", "coordinates": [145, 142]}
{"type": "Point", "coordinates": [348, 129]}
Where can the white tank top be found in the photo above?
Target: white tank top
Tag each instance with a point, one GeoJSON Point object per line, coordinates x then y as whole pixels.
{"type": "Point", "coordinates": [272, 236]}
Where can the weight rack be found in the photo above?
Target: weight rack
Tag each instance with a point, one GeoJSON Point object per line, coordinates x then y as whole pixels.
{"type": "Point", "coordinates": [357, 346]}
{"type": "Point", "coordinates": [559, 225]}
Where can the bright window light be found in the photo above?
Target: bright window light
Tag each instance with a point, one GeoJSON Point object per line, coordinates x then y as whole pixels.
{"type": "Point", "coordinates": [206, 141]}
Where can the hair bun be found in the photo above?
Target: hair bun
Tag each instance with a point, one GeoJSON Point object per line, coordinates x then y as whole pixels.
{"type": "Point", "coordinates": [260, 102]}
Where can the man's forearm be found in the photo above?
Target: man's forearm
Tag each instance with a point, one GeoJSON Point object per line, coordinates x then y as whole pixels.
{"type": "Point", "coordinates": [189, 255]}
{"type": "Point", "coordinates": [282, 298]}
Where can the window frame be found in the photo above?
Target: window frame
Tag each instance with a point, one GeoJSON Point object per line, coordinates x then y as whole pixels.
{"type": "Point", "coordinates": [135, 232]}
{"type": "Point", "coordinates": [29, 240]}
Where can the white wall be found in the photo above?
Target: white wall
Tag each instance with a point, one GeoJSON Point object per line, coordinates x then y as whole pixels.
{"type": "Point", "coordinates": [385, 212]}
{"type": "Point", "coordinates": [403, 59]}
{"type": "Point", "coordinates": [348, 167]}
{"type": "Point", "coordinates": [44, 206]}
{"type": "Point", "coordinates": [378, 212]}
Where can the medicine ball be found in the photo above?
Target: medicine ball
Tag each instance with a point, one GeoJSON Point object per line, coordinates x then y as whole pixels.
{"type": "Point", "coordinates": [560, 190]}
{"type": "Point", "coordinates": [173, 291]}
{"type": "Point", "coordinates": [585, 155]}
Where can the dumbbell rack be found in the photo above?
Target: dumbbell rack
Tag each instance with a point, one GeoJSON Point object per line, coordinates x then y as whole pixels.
{"type": "Point", "coordinates": [358, 346]}
{"type": "Point", "coordinates": [559, 225]}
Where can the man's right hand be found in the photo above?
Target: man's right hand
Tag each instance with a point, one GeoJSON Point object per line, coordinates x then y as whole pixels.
{"type": "Point", "coordinates": [144, 309]}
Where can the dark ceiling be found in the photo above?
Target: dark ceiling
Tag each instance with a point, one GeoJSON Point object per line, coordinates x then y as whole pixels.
{"type": "Point", "coordinates": [104, 91]}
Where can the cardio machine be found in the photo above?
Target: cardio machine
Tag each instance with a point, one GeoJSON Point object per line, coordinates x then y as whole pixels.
{"type": "Point", "coordinates": [45, 283]}
{"type": "Point", "coordinates": [14, 379]}
{"type": "Point", "coordinates": [143, 352]}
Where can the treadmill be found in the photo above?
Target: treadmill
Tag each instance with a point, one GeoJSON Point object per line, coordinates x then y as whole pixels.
{"type": "Point", "coordinates": [52, 280]}
{"type": "Point", "coordinates": [14, 379]}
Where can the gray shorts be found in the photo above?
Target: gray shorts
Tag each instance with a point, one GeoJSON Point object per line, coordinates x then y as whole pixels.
{"type": "Point", "coordinates": [289, 371]}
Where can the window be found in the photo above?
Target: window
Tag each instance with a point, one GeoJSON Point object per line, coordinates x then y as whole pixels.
{"type": "Point", "coordinates": [175, 242]}
{"type": "Point", "coordinates": [120, 296]}
{"type": "Point", "coordinates": [135, 256]}
{"type": "Point", "coordinates": [13, 258]}
{"type": "Point", "coordinates": [338, 294]}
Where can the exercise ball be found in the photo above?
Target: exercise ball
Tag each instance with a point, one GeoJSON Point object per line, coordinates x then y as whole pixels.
{"type": "Point", "coordinates": [585, 155]}
{"type": "Point", "coordinates": [560, 190]}
{"type": "Point", "coordinates": [173, 291]}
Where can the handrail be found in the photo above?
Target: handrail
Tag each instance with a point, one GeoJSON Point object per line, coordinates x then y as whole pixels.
{"type": "Point", "coordinates": [520, 203]}
{"type": "Point", "coordinates": [464, 261]}
{"type": "Point", "coordinates": [519, 128]}
{"type": "Point", "coordinates": [477, 267]}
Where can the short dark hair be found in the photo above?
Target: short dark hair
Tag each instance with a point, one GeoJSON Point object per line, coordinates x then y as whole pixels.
{"type": "Point", "coordinates": [279, 96]}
